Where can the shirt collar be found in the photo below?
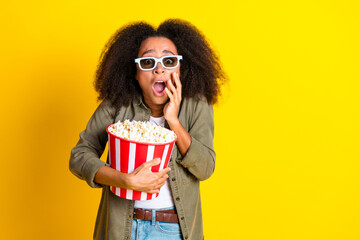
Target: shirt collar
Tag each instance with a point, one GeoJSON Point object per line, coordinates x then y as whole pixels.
{"type": "Point", "coordinates": [140, 101]}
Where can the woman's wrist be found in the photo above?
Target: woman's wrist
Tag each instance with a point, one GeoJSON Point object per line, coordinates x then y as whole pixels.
{"type": "Point", "coordinates": [128, 181]}
{"type": "Point", "coordinates": [173, 123]}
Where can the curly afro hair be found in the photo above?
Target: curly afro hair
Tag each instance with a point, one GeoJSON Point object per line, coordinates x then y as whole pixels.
{"type": "Point", "coordinates": [200, 70]}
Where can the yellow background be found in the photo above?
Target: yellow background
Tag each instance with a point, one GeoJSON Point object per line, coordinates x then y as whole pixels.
{"type": "Point", "coordinates": [287, 129]}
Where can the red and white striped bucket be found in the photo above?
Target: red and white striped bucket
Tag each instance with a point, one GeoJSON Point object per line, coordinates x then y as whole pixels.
{"type": "Point", "coordinates": [126, 155]}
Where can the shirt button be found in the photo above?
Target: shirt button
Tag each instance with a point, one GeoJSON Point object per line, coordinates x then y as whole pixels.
{"type": "Point", "coordinates": [177, 199]}
{"type": "Point", "coordinates": [186, 237]}
{"type": "Point", "coordinates": [182, 218]}
{"type": "Point", "coordinates": [173, 179]}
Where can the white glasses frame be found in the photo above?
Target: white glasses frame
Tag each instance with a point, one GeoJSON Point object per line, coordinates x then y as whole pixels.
{"type": "Point", "coordinates": [158, 60]}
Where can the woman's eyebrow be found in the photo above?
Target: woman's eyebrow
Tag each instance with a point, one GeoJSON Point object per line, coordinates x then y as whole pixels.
{"type": "Point", "coordinates": [147, 51]}
{"type": "Point", "coordinates": [152, 50]}
{"type": "Point", "coordinates": [168, 51]}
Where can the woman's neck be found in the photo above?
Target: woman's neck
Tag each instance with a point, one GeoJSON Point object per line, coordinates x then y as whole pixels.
{"type": "Point", "coordinates": [156, 109]}
{"type": "Point", "coordinates": [157, 112]}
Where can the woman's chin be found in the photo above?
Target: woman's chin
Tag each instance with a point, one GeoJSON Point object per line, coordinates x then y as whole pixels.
{"type": "Point", "coordinates": [156, 99]}
{"type": "Point", "coordinates": [161, 99]}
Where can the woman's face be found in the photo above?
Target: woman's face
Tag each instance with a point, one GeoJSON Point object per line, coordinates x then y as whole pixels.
{"type": "Point", "coordinates": [153, 82]}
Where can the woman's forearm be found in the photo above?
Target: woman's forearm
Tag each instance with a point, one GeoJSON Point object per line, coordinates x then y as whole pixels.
{"type": "Point", "coordinates": [184, 139]}
{"type": "Point", "coordinates": [142, 179]}
{"type": "Point", "coordinates": [109, 176]}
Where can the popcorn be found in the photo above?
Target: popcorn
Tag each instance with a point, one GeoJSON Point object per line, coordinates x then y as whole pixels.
{"type": "Point", "coordinates": [139, 131]}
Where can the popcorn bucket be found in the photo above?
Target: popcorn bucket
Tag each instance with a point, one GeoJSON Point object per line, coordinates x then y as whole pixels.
{"type": "Point", "coordinates": [126, 155]}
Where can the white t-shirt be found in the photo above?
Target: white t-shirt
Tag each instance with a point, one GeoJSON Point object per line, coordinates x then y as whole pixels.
{"type": "Point", "coordinates": [164, 200]}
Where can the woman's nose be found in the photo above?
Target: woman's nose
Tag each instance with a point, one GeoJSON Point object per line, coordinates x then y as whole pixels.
{"type": "Point", "coordinates": [159, 68]}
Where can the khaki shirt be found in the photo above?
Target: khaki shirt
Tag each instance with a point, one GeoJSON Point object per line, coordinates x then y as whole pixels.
{"type": "Point", "coordinates": [115, 214]}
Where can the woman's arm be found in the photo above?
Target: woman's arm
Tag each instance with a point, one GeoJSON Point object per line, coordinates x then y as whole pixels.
{"type": "Point", "coordinates": [200, 157]}
{"type": "Point", "coordinates": [142, 179]}
{"type": "Point", "coordinates": [85, 156]}
{"type": "Point", "coordinates": [195, 144]}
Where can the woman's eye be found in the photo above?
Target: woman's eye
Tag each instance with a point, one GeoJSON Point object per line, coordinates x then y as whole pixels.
{"type": "Point", "coordinates": [169, 61]}
{"type": "Point", "coordinates": [148, 61]}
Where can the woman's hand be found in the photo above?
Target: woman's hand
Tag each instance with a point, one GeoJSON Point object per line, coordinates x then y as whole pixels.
{"type": "Point", "coordinates": [173, 90]}
{"type": "Point", "coordinates": [171, 110]}
{"type": "Point", "coordinates": [144, 180]}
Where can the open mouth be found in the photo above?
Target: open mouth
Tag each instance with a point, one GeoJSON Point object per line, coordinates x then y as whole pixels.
{"type": "Point", "coordinates": [159, 88]}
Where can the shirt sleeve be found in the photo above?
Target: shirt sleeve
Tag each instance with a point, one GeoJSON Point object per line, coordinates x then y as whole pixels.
{"type": "Point", "coordinates": [85, 156]}
{"type": "Point", "coordinates": [200, 157]}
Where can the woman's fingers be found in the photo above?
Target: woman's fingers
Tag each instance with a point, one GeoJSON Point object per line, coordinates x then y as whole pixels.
{"type": "Point", "coordinates": [161, 181]}
{"type": "Point", "coordinates": [170, 95]}
{"type": "Point", "coordinates": [173, 90]}
{"type": "Point", "coordinates": [171, 87]}
{"type": "Point", "coordinates": [163, 173]}
{"type": "Point", "coordinates": [152, 163]}
{"type": "Point", "coordinates": [178, 83]}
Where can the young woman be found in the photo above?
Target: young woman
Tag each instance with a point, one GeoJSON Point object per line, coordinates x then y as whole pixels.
{"type": "Point", "coordinates": [169, 76]}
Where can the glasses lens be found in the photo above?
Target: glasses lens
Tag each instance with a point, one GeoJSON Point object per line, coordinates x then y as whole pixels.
{"type": "Point", "coordinates": [147, 63]}
{"type": "Point", "coordinates": [170, 61]}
